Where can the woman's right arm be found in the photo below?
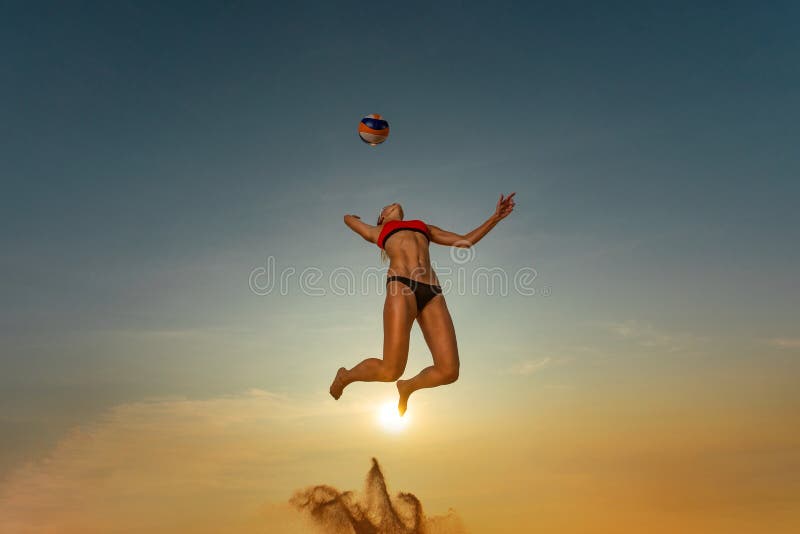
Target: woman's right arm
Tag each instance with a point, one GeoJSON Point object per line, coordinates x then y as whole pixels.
{"type": "Point", "coordinates": [367, 231]}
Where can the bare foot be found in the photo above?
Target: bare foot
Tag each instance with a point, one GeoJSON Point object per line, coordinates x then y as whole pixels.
{"type": "Point", "coordinates": [338, 384]}
{"type": "Point", "coordinates": [405, 392]}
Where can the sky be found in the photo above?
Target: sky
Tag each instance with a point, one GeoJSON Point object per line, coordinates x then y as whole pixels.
{"type": "Point", "coordinates": [158, 162]}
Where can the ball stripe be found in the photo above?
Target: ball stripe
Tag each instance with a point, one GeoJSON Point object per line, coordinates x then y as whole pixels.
{"type": "Point", "coordinates": [372, 138]}
{"type": "Point", "coordinates": [374, 124]}
{"type": "Point", "coordinates": [364, 129]}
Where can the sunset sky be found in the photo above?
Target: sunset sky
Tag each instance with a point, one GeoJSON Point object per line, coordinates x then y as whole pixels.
{"type": "Point", "coordinates": [157, 159]}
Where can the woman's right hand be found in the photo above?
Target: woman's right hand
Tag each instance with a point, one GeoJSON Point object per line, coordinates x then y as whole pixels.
{"type": "Point", "coordinates": [367, 231]}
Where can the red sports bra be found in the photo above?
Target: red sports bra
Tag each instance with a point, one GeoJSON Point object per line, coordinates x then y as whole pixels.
{"type": "Point", "coordinates": [395, 226]}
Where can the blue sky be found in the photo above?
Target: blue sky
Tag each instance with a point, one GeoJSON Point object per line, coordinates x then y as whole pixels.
{"type": "Point", "coordinates": [151, 156]}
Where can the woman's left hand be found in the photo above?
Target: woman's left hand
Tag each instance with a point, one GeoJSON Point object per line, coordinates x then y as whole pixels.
{"type": "Point", "coordinates": [504, 207]}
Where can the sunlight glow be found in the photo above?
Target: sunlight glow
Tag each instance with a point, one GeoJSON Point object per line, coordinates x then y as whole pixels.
{"type": "Point", "coordinates": [389, 419]}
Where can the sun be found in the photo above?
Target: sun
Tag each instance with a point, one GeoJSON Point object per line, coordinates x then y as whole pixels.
{"type": "Point", "coordinates": [389, 419]}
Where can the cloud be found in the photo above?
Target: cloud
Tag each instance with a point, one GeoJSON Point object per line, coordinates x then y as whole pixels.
{"type": "Point", "coordinates": [224, 464]}
{"type": "Point", "coordinates": [631, 460]}
{"type": "Point", "coordinates": [648, 336]}
{"type": "Point", "coordinates": [785, 343]}
{"type": "Point", "coordinates": [527, 367]}
{"type": "Point", "coordinates": [179, 465]}
{"type": "Point", "coordinates": [374, 512]}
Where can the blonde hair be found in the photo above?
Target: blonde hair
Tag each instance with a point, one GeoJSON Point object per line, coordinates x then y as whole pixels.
{"type": "Point", "coordinates": [384, 255]}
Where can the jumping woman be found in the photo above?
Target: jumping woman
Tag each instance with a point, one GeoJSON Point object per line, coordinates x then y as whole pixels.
{"type": "Point", "coordinates": [413, 292]}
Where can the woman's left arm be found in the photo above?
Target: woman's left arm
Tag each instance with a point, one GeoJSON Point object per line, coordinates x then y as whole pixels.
{"type": "Point", "coordinates": [442, 237]}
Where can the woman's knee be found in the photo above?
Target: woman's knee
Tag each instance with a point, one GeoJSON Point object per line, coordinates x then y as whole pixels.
{"type": "Point", "coordinates": [390, 373]}
{"type": "Point", "coordinates": [450, 374]}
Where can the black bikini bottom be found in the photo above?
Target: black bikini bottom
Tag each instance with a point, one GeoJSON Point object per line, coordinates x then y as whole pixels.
{"type": "Point", "coordinates": [422, 292]}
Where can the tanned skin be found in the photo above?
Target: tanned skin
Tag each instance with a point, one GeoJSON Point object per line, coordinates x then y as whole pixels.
{"type": "Point", "coordinates": [409, 256]}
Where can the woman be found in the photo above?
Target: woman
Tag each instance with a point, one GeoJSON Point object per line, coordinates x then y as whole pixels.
{"type": "Point", "coordinates": [412, 292]}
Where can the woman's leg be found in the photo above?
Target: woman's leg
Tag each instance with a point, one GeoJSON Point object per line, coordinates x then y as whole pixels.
{"type": "Point", "coordinates": [399, 311]}
{"type": "Point", "coordinates": [440, 335]}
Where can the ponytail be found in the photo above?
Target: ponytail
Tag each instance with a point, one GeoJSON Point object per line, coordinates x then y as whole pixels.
{"type": "Point", "coordinates": [384, 256]}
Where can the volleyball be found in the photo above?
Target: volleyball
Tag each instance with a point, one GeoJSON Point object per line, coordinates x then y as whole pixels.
{"type": "Point", "coordinates": [373, 129]}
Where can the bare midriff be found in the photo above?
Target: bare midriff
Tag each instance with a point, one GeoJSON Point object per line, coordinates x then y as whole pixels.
{"type": "Point", "coordinates": [409, 256]}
